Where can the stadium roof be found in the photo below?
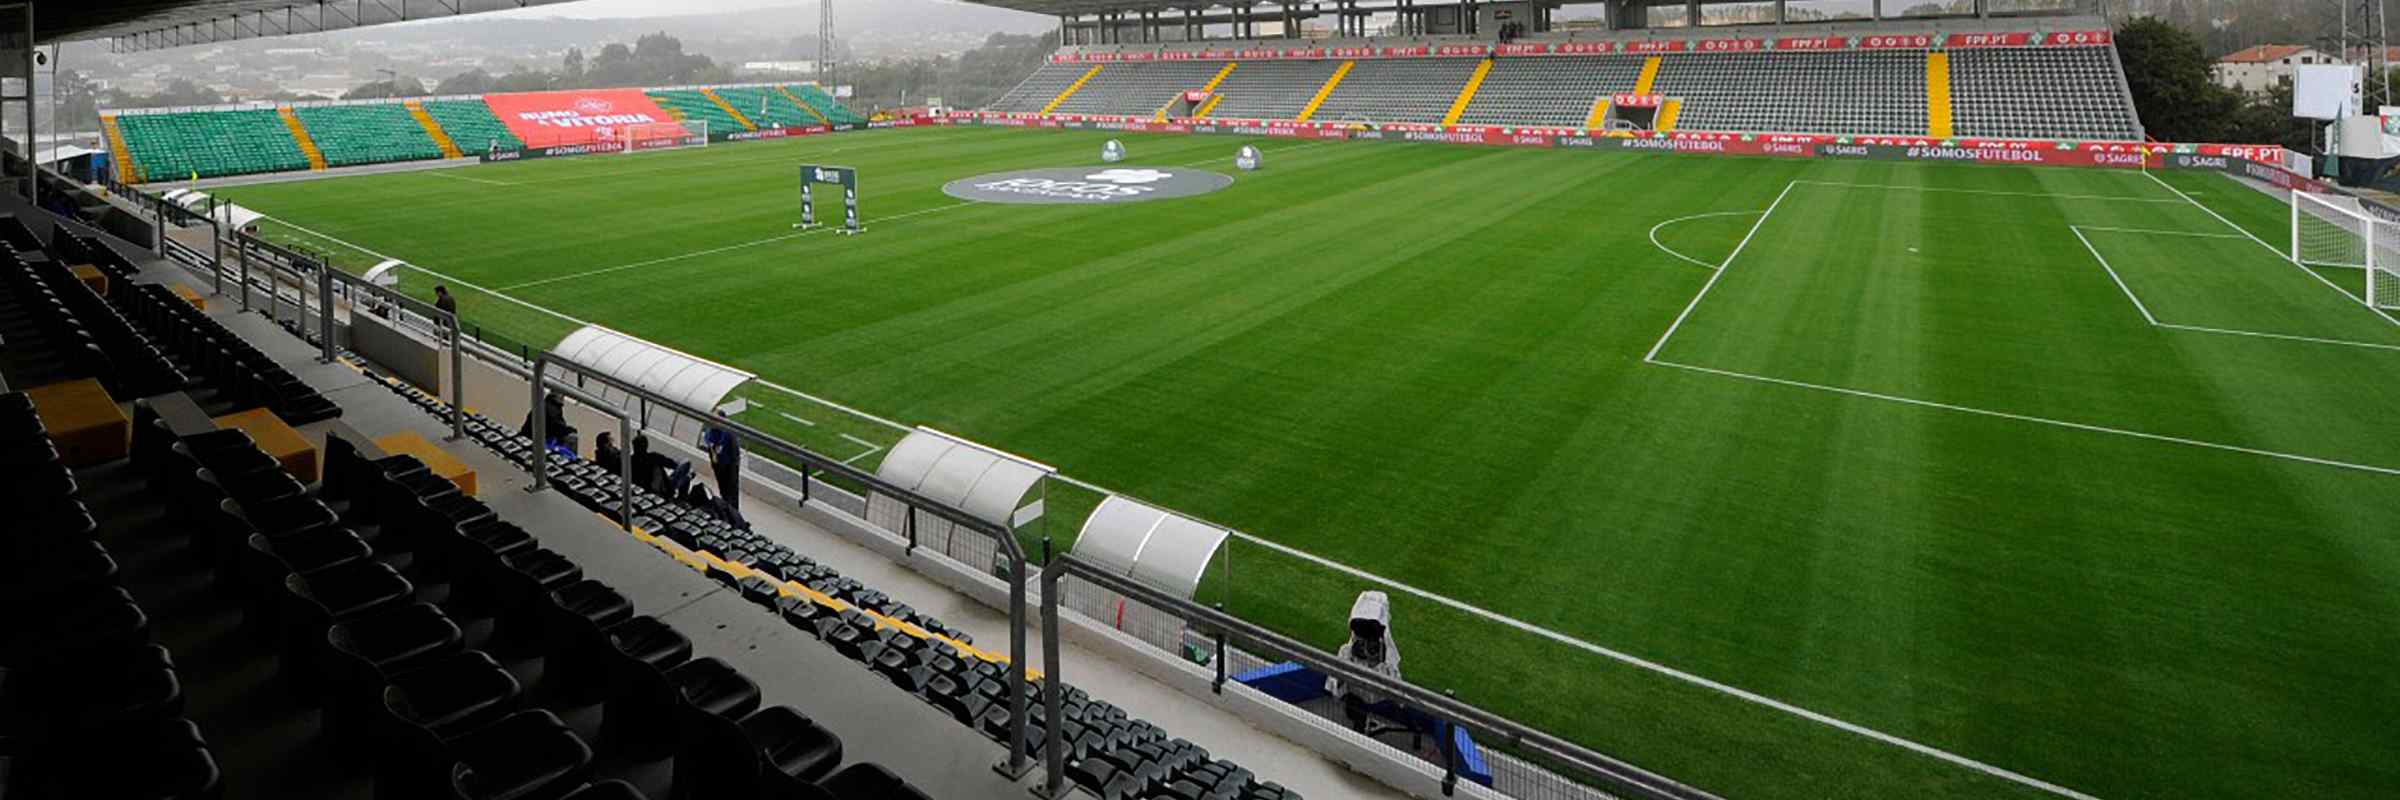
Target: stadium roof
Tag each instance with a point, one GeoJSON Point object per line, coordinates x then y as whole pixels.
{"type": "Point", "coordinates": [154, 24]}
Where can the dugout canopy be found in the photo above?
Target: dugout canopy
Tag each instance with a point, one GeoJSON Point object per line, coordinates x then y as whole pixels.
{"type": "Point", "coordinates": [692, 381]}
{"type": "Point", "coordinates": [1166, 550]}
{"type": "Point", "coordinates": [986, 483]}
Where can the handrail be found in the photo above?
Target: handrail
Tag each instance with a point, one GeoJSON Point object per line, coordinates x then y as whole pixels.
{"type": "Point", "coordinates": [539, 460]}
{"type": "Point", "coordinates": [1610, 774]}
{"type": "Point", "coordinates": [1019, 762]}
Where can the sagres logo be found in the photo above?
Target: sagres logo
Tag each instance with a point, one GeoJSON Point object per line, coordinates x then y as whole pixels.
{"type": "Point", "coordinates": [1084, 185]}
{"type": "Point", "coordinates": [594, 105]}
{"type": "Point", "coordinates": [1129, 176]}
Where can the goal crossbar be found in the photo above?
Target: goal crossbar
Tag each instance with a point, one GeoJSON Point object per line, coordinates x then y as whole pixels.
{"type": "Point", "coordinates": [2333, 231]}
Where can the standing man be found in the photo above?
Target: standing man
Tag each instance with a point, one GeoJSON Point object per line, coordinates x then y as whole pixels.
{"type": "Point", "coordinates": [725, 457]}
{"type": "Point", "coordinates": [444, 302]}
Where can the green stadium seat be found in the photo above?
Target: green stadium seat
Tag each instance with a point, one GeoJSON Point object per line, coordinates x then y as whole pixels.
{"type": "Point", "coordinates": [824, 103]}
{"type": "Point", "coordinates": [368, 133]}
{"type": "Point", "coordinates": [472, 126]}
{"type": "Point", "coordinates": [767, 107]}
{"type": "Point", "coordinates": [211, 143]}
{"type": "Point", "coordinates": [694, 105]}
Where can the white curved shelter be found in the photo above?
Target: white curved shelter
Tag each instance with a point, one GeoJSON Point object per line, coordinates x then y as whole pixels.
{"type": "Point", "coordinates": [986, 483]}
{"type": "Point", "coordinates": [690, 380]}
{"type": "Point", "coordinates": [237, 217]}
{"type": "Point", "coordinates": [1168, 551]}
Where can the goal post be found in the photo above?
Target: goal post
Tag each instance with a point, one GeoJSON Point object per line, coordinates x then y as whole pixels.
{"type": "Point", "coordinates": [2330, 231]}
{"type": "Point", "coordinates": [646, 136]}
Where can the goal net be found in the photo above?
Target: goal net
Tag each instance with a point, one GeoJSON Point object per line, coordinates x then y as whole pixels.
{"type": "Point", "coordinates": [2333, 231]}
{"type": "Point", "coordinates": [647, 136]}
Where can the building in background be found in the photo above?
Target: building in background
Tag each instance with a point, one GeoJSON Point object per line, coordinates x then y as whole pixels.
{"type": "Point", "coordinates": [2257, 69]}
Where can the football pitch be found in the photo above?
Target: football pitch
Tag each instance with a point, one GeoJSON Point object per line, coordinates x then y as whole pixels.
{"type": "Point", "coordinates": [1784, 478]}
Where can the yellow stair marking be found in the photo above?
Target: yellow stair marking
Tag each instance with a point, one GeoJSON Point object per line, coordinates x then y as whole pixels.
{"type": "Point", "coordinates": [1649, 75]}
{"type": "Point", "coordinates": [1072, 88]}
{"type": "Point", "coordinates": [1161, 116]}
{"type": "Point", "coordinates": [126, 171]}
{"type": "Point", "coordinates": [1667, 115]}
{"type": "Point", "coordinates": [1209, 106]}
{"type": "Point", "coordinates": [1937, 95]}
{"type": "Point", "coordinates": [736, 113]}
{"type": "Point", "coordinates": [308, 146]}
{"type": "Point", "coordinates": [1323, 92]}
{"type": "Point", "coordinates": [812, 110]}
{"type": "Point", "coordinates": [1466, 95]}
{"type": "Point", "coordinates": [1599, 115]}
{"type": "Point", "coordinates": [434, 129]}
{"type": "Point", "coordinates": [1211, 87]}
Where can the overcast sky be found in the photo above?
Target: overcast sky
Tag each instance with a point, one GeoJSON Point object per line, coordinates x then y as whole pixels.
{"type": "Point", "coordinates": [604, 9]}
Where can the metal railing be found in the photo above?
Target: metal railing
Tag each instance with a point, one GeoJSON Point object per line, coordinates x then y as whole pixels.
{"type": "Point", "coordinates": [811, 466]}
{"type": "Point", "coordinates": [1608, 774]}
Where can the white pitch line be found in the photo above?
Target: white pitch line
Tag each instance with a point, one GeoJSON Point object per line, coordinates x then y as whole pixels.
{"type": "Point", "coordinates": [795, 419]}
{"type": "Point", "coordinates": [1654, 229]}
{"type": "Point", "coordinates": [2112, 275]}
{"type": "Point", "coordinates": [871, 450]}
{"type": "Point", "coordinates": [858, 441]}
{"type": "Point", "coordinates": [2284, 336]}
{"type": "Point", "coordinates": [438, 173]}
{"type": "Point", "coordinates": [1993, 192]}
{"type": "Point", "coordinates": [2192, 234]}
{"type": "Point", "coordinates": [1712, 278]}
{"type": "Point", "coordinates": [2080, 426]}
{"type": "Point", "coordinates": [725, 249]}
{"type": "Point", "coordinates": [2279, 254]}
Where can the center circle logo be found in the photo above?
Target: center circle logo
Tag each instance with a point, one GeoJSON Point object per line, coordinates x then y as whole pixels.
{"type": "Point", "coordinates": [1084, 185]}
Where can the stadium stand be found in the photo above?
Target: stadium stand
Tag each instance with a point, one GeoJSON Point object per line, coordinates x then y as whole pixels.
{"type": "Point", "coordinates": [1555, 92]}
{"type": "Point", "coordinates": [691, 104]}
{"type": "Point", "coordinates": [239, 141]}
{"type": "Point", "coordinates": [366, 133]}
{"type": "Point", "coordinates": [1850, 92]}
{"type": "Point", "coordinates": [470, 123]}
{"type": "Point", "coordinates": [173, 146]}
{"type": "Point", "coordinates": [1036, 91]}
{"type": "Point", "coordinates": [832, 110]}
{"type": "Point", "coordinates": [2065, 93]}
{"type": "Point", "coordinates": [1138, 88]}
{"type": "Point", "coordinates": [767, 106]}
{"type": "Point", "coordinates": [1398, 90]}
{"type": "Point", "coordinates": [1270, 89]}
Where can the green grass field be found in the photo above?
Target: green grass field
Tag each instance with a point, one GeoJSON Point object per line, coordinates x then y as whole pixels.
{"type": "Point", "coordinates": [2053, 480]}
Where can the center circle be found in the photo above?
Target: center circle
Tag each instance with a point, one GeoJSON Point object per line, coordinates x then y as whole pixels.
{"type": "Point", "coordinates": [1087, 185]}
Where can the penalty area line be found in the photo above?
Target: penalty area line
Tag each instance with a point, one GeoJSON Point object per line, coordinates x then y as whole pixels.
{"type": "Point", "coordinates": [2280, 255]}
{"type": "Point", "coordinates": [2068, 424]}
{"type": "Point", "coordinates": [2138, 305]}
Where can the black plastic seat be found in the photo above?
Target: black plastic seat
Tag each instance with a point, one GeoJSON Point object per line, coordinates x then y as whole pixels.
{"type": "Point", "coordinates": [641, 702]}
{"type": "Point", "coordinates": [519, 590]}
{"type": "Point", "coordinates": [710, 686]}
{"type": "Point", "coordinates": [795, 748]}
{"type": "Point", "coordinates": [315, 601]}
{"type": "Point", "coordinates": [365, 651]}
{"type": "Point", "coordinates": [608, 790]}
{"type": "Point", "coordinates": [474, 559]}
{"type": "Point", "coordinates": [529, 755]}
{"type": "Point", "coordinates": [580, 615]}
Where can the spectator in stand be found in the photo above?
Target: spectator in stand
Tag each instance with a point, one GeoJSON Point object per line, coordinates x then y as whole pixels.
{"type": "Point", "coordinates": [554, 420]}
{"type": "Point", "coordinates": [605, 452]}
{"type": "Point", "coordinates": [650, 470]}
{"type": "Point", "coordinates": [724, 458]}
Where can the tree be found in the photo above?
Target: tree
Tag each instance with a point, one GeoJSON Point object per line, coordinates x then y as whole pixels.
{"type": "Point", "coordinates": [402, 86]}
{"type": "Point", "coordinates": [474, 81]}
{"type": "Point", "coordinates": [571, 67]}
{"type": "Point", "coordinates": [2173, 90]}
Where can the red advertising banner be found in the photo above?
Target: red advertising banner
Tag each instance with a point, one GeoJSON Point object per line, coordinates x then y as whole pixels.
{"type": "Point", "coordinates": [1583, 48]}
{"type": "Point", "coordinates": [1813, 43]}
{"type": "Point", "coordinates": [2076, 39]}
{"type": "Point", "coordinates": [1261, 52]}
{"type": "Point", "coordinates": [1143, 56]}
{"type": "Point", "coordinates": [1522, 49]}
{"type": "Point", "coordinates": [545, 119]}
{"type": "Point", "coordinates": [1732, 45]}
{"type": "Point", "coordinates": [1656, 46]}
{"type": "Point", "coordinates": [1637, 100]}
{"type": "Point", "coordinates": [1461, 50]}
{"type": "Point", "coordinates": [1914, 41]}
{"type": "Point", "coordinates": [1312, 52]}
{"type": "Point", "coordinates": [1351, 52]}
{"type": "Point", "coordinates": [1406, 52]}
{"type": "Point", "coordinates": [1195, 96]}
{"type": "Point", "coordinates": [1966, 40]}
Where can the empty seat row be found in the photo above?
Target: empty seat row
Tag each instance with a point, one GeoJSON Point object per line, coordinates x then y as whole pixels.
{"type": "Point", "coordinates": [90, 705]}
{"type": "Point", "coordinates": [242, 375]}
{"type": "Point", "coordinates": [81, 333]}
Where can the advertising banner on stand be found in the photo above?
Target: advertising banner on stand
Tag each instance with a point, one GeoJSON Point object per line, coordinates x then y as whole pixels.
{"type": "Point", "coordinates": [591, 118]}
